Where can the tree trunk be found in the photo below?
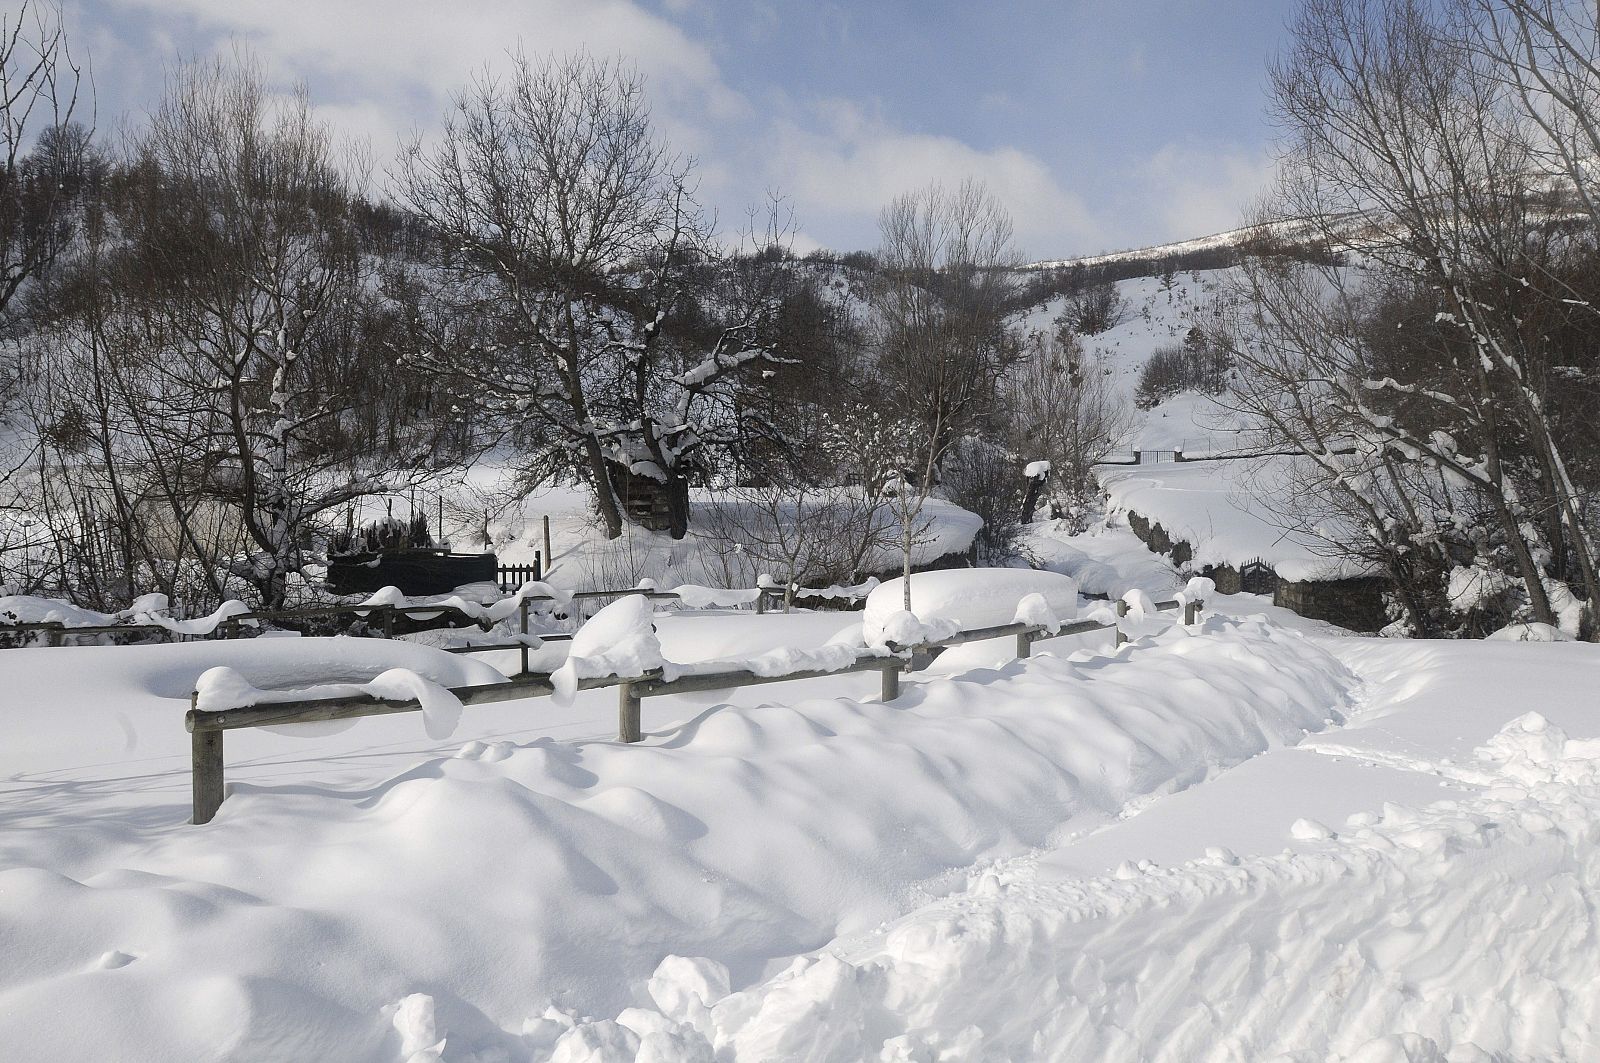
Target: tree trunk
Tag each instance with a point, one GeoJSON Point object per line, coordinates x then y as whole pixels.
{"type": "Point", "coordinates": [1030, 502]}
{"type": "Point", "coordinates": [605, 496]}
{"type": "Point", "coordinates": [677, 504]}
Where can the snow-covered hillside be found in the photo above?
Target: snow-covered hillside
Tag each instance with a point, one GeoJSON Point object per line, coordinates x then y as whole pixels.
{"type": "Point", "coordinates": [1156, 314]}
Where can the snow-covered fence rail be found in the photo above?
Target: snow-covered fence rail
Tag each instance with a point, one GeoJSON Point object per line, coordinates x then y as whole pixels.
{"type": "Point", "coordinates": [55, 632]}
{"type": "Point", "coordinates": [228, 624]}
{"type": "Point", "coordinates": [207, 726]}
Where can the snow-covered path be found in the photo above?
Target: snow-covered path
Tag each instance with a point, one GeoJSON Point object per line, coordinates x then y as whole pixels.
{"type": "Point", "coordinates": [1419, 885]}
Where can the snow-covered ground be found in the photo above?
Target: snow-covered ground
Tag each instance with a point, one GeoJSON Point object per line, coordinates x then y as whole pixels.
{"type": "Point", "coordinates": [1257, 839]}
{"type": "Point", "coordinates": [1225, 510]}
{"type": "Point", "coordinates": [1155, 315]}
{"type": "Point", "coordinates": [583, 559]}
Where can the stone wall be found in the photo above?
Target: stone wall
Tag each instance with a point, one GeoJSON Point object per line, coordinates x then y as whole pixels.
{"type": "Point", "coordinates": [1353, 603]}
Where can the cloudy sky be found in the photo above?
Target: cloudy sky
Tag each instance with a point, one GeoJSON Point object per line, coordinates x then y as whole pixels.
{"type": "Point", "coordinates": [1101, 124]}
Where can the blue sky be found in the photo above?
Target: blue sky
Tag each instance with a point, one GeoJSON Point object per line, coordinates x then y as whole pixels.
{"type": "Point", "coordinates": [1100, 124]}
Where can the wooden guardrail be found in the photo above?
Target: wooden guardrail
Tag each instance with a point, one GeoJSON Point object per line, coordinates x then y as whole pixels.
{"type": "Point", "coordinates": [207, 726]}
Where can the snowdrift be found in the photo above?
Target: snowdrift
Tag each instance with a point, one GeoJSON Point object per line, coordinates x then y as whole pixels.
{"type": "Point", "coordinates": [969, 597]}
{"type": "Point", "coordinates": [517, 887]}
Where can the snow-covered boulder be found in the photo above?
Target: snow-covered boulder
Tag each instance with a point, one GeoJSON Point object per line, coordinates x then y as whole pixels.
{"type": "Point", "coordinates": [971, 597]}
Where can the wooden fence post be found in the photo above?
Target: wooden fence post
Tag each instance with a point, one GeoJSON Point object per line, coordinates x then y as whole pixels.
{"type": "Point", "coordinates": [891, 680]}
{"type": "Point", "coordinates": [522, 608]}
{"type": "Point", "coordinates": [205, 770]}
{"type": "Point", "coordinates": [629, 726]}
{"type": "Point", "coordinates": [761, 601]}
{"type": "Point", "coordinates": [388, 621]}
{"type": "Point", "coordinates": [549, 558]}
{"type": "Point", "coordinates": [1191, 613]}
{"type": "Point", "coordinates": [1122, 611]}
{"type": "Point", "coordinates": [1024, 645]}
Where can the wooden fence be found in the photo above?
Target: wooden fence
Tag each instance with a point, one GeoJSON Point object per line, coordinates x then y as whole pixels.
{"type": "Point", "coordinates": [382, 617]}
{"type": "Point", "coordinates": [207, 726]}
{"type": "Point", "coordinates": [513, 576]}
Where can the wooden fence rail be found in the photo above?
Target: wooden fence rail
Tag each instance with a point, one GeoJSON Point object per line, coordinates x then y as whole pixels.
{"type": "Point", "coordinates": [56, 632]}
{"type": "Point", "coordinates": [207, 726]}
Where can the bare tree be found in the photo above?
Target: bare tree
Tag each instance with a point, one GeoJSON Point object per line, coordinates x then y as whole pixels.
{"type": "Point", "coordinates": [572, 247]}
{"type": "Point", "coordinates": [1064, 410]}
{"type": "Point", "coordinates": [797, 532]}
{"type": "Point", "coordinates": [1400, 131]}
{"type": "Point", "coordinates": [39, 88]}
{"type": "Point", "coordinates": [252, 279]}
{"type": "Point", "coordinates": [944, 343]}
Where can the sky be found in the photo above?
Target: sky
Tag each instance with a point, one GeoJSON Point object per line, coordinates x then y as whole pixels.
{"type": "Point", "coordinates": [1099, 124]}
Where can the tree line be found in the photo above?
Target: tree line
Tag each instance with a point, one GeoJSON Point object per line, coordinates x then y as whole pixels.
{"type": "Point", "coordinates": [1444, 381]}
{"type": "Point", "coordinates": [218, 337]}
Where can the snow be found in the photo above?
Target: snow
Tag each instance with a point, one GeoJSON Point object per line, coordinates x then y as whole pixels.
{"type": "Point", "coordinates": [1034, 609]}
{"type": "Point", "coordinates": [222, 687]}
{"type": "Point", "coordinates": [583, 559]}
{"type": "Point", "coordinates": [1530, 632]}
{"type": "Point", "coordinates": [1140, 606]}
{"type": "Point", "coordinates": [1255, 837]}
{"type": "Point", "coordinates": [1471, 587]}
{"type": "Point", "coordinates": [1223, 510]}
{"type": "Point", "coordinates": [618, 640]}
{"type": "Point", "coordinates": [1106, 560]}
{"type": "Point", "coordinates": [1327, 922]}
{"type": "Point", "coordinates": [1036, 469]}
{"type": "Point", "coordinates": [696, 597]}
{"type": "Point", "coordinates": [972, 597]}
{"type": "Point", "coordinates": [147, 609]}
{"type": "Point", "coordinates": [562, 874]}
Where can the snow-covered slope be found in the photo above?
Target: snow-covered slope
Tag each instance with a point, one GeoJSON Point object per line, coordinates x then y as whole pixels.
{"type": "Point", "coordinates": [1157, 315]}
{"type": "Point", "coordinates": [1224, 511]}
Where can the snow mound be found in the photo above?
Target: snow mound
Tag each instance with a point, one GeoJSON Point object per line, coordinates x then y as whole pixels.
{"type": "Point", "coordinates": [971, 597]}
{"type": "Point", "coordinates": [1530, 632]}
{"type": "Point", "coordinates": [1464, 924]}
{"type": "Point", "coordinates": [618, 640]}
{"type": "Point", "coordinates": [313, 916]}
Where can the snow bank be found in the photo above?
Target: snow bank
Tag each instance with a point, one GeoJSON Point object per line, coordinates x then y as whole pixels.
{"type": "Point", "coordinates": [522, 891]}
{"type": "Point", "coordinates": [971, 597]}
{"type": "Point", "coordinates": [1224, 511]}
{"type": "Point", "coordinates": [1458, 931]}
{"type": "Point", "coordinates": [618, 640]}
{"type": "Point", "coordinates": [1104, 560]}
{"type": "Point", "coordinates": [1530, 632]}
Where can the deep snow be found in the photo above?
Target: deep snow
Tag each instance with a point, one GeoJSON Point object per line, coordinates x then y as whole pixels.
{"type": "Point", "coordinates": [1258, 839]}
{"type": "Point", "coordinates": [523, 872]}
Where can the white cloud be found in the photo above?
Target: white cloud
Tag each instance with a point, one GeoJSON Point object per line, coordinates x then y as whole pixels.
{"type": "Point", "coordinates": [1198, 190]}
{"type": "Point", "coordinates": [379, 69]}
{"type": "Point", "coordinates": [844, 164]}
{"type": "Point", "coordinates": [409, 55]}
